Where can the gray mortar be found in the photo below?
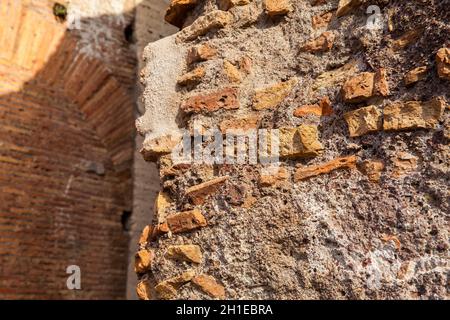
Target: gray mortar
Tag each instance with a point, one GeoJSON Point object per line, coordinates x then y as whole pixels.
{"type": "Point", "coordinates": [321, 238]}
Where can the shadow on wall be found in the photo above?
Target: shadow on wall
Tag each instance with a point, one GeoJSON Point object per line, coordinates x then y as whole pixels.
{"type": "Point", "coordinates": [66, 154]}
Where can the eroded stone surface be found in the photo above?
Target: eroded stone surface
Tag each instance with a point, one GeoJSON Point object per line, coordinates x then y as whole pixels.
{"type": "Point", "coordinates": [364, 120]}
{"type": "Point", "coordinates": [270, 97]}
{"type": "Point", "coordinates": [443, 63]}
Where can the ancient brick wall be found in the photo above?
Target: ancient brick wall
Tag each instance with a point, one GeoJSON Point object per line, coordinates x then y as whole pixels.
{"type": "Point", "coordinates": [67, 139]}
{"type": "Point", "coordinates": [358, 205]}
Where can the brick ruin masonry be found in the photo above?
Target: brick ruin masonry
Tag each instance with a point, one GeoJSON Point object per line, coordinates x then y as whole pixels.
{"type": "Point", "coordinates": [66, 152]}
{"type": "Point", "coordinates": [360, 206]}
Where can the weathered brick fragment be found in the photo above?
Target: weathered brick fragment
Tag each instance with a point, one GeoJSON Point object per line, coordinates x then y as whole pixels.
{"type": "Point", "coordinates": [143, 261]}
{"type": "Point", "coordinates": [240, 124]}
{"type": "Point", "coordinates": [209, 285]}
{"type": "Point", "coordinates": [277, 7]}
{"type": "Point", "coordinates": [176, 12]}
{"type": "Point", "coordinates": [346, 6]}
{"type": "Point", "coordinates": [226, 99]}
{"type": "Point", "coordinates": [269, 179]}
{"type": "Point", "coordinates": [312, 171]}
{"type": "Point", "coordinates": [157, 147]}
{"type": "Point", "coordinates": [201, 52]}
{"type": "Point", "coordinates": [381, 85]}
{"type": "Point", "coordinates": [443, 63]}
{"type": "Point", "coordinates": [413, 114]}
{"type": "Point", "coordinates": [167, 289]}
{"type": "Point", "coordinates": [300, 142]}
{"type": "Point", "coordinates": [404, 163]}
{"type": "Point", "coordinates": [189, 253]}
{"type": "Point", "coordinates": [321, 20]}
{"type": "Point", "coordinates": [406, 39]}
{"type": "Point", "coordinates": [192, 77]}
{"type": "Point", "coordinates": [323, 43]}
{"type": "Point", "coordinates": [143, 290]}
{"type": "Point", "coordinates": [271, 97]}
{"type": "Point", "coordinates": [232, 72]}
{"type": "Point", "coordinates": [186, 221]}
{"type": "Point", "coordinates": [323, 108]}
{"type": "Point", "coordinates": [359, 88]}
{"type": "Point", "coordinates": [213, 20]}
{"type": "Point", "coordinates": [162, 203]}
{"type": "Point", "coordinates": [415, 75]}
{"type": "Point", "coordinates": [199, 193]}
{"type": "Point", "coordinates": [364, 120]}
{"type": "Point", "coordinates": [372, 169]}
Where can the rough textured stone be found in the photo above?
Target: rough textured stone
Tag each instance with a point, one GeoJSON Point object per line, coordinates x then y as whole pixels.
{"type": "Point", "coordinates": [143, 261]}
{"type": "Point", "coordinates": [162, 203]}
{"type": "Point", "coordinates": [271, 97]}
{"type": "Point", "coordinates": [277, 7]}
{"type": "Point", "coordinates": [406, 39]}
{"type": "Point", "coordinates": [209, 285]}
{"type": "Point", "coordinates": [300, 142]}
{"type": "Point", "coordinates": [227, 4]}
{"type": "Point", "coordinates": [321, 20]}
{"type": "Point", "coordinates": [232, 72]}
{"type": "Point", "coordinates": [346, 6]}
{"type": "Point", "coordinates": [213, 20]}
{"type": "Point", "coordinates": [364, 120]}
{"type": "Point", "coordinates": [413, 114]}
{"type": "Point", "coordinates": [381, 85]}
{"type": "Point", "coordinates": [189, 253]}
{"type": "Point", "coordinates": [201, 52]}
{"type": "Point", "coordinates": [415, 75]}
{"type": "Point", "coordinates": [304, 173]}
{"type": "Point", "coordinates": [359, 88]}
{"type": "Point", "coordinates": [323, 43]}
{"type": "Point", "coordinates": [324, 108]}
{"type": "Point", "coordinates": [176, 12]}
{"type": "Point", "coordinates": [443, 63]}
{"type": "Point", "coordinates": [167, 289]}
{"type": "Point", "coordinates": [143, 290]}
{"type": "Point", "coordinates": [226, 99]}
{"type": "Point", "coordinates": [145, 235]}
{"type": "Point", "coordinates": [199, 193]}
{"type": "Point", "coordinates": [192, 77]}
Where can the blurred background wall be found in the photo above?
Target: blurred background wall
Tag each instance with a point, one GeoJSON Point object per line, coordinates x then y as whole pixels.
{"type": "Point", "coordinates": [73, 189]}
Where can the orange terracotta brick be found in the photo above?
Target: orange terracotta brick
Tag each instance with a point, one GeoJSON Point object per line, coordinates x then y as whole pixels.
{"type": "Point", "coordinates": [186, 221]}
{"type": "Point", "coordinates": [199, 193]}
{"type": "Point", "coordinates": [359, 88]}
{"type": "Point", "coordinates": [201, 52]}
{"type": "Point", "coordinates": [209, 285]}
{"type": "Point", "coordinates": [177, 10]}
{"type": "Point", "coordinates": [324, 108]}
{"type": "Point", "coordinates": [225, 99]}
{"type": "Point", "coordinates": [443, 63]}
{"type": "Point", "coordinates": [321, 20]}
{"type": "Point", "coordinates": [312, 171]}
{"type": "Point", "coordinates": [143, 261]}
{"type": "Point", "coordinates": [323, 43]}
{"type": "Point", "coordinates": [415, 75]}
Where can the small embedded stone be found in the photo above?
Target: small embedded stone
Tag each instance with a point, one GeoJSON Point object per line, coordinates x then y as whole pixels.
{"type": "Point", "coordinates": [323, 108]}
{"type": "Point", "coordinates": [232, 72]}
{"type": "Point", "coordinates": [277, 7]}
{"type": "Point", "coordinates": [168, 289]}
{"type": "Point", "coordinates": [271, 97]}
{"type": "Point", "coordinates": [177, 10]}
{"type": "Point", "coordinates": [359, 88]}
{"type": "Point", "coordinates": [186, 221]}
{"type": "Point", "coordinates": [226, 99]}
{"type": "Point", "coordinates": [189, 253]}
{"type": "Point", "coordinates": [145, 235]}
{"type": "Point", "coordinates": [415, 75]}
{"type": "Point", "coordinates": [321, 20]}
{"type": "Point", "coordinates": [162, 203]}
{"type": "Point", "coordinates": [300, 142]}
{"type": "Point", "coordinates": [443, 63]}
{"type": "Point", "coordinates": [199, 193]}
{"type": "Point", "coordinates": [346, 6]}
{"type": "Point", "coordinates": [413, 114]}
{"type": "Point", "coordinates": [192, 77]}
{"type": "Point", "coordinates": [406, 39]}
{"type": "Point", "coordinates": [143, 261]}
{"type": "Point", "coordinates": [323, 43]}
{"type": "Point", "coordinates": [216, 19]}
{"type": "Point", "coordinates": [209, 285]}
{"type": "Point", "coordinates": [372, 169]}
{"type": "Point", "coordinates": [201, 52]}
{"type": "Point", "coordinates": [364, 120]}
{"type": "Point", "coordinates": [304, 173]}
{"type": "Point", "coordinates": [143, 290]}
